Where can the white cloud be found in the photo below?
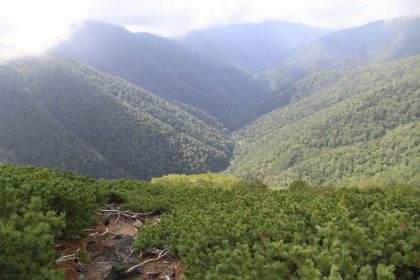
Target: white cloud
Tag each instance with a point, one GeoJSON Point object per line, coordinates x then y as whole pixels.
{"type": "Point", "coordinates": [29, 27]}
{"type": "Point", "coordinates": [169, 17]}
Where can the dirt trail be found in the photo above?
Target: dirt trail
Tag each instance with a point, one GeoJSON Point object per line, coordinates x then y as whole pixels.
{"type": "Point", "coordinates": [108, 254]}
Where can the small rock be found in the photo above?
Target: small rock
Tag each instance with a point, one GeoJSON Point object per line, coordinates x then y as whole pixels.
{"type": "Point", "coordinates": [118, 236]}
{"type": "Point", "coordinates": [120, 251]}
{"type": "Point", "coordinates": [107, 219]}
{"type": "Point", "coordinates": [137, 224]}
{"type": "Point", "coordinates": [94, 267]}
{"type": "Point", "coordinates": [92, 246]}
{"type": "Point", "coordinates": [120, 272]}
{"type": "Point", "coordinates": [124, 240]}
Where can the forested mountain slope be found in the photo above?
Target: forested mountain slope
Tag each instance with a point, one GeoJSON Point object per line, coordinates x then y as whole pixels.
{"type": "Point", "coordinates": [57, 112]}
{"type": "Point", "coordinates": [376, 42]}
{"type": "Point", "coordinates": [353, 127]}
{"type": "Point", "coordinates": [251, 46]}
{"type": "Point", "coordinates": [167, 69]}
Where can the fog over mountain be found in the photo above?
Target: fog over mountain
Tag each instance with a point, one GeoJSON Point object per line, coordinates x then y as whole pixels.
{"type": "Point", "coordinates": [251, 47]}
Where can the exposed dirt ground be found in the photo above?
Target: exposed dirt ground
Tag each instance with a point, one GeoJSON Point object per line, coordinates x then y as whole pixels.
{"type": "Point", "coordinates": [91, 262]}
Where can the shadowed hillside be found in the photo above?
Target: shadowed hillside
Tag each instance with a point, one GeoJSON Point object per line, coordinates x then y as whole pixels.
{"type": "Point", "coordinates": [167, 69]}
{"type": "Point", "coordinates": [57, 112]}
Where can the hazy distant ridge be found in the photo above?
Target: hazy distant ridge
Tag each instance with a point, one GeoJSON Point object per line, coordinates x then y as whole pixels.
{"type": "Point", "coordinates": [252, 47]}
{"type": "Point", "coordinates": [376, 42]}
{"type": "Point", "coordinates": [167, 69]}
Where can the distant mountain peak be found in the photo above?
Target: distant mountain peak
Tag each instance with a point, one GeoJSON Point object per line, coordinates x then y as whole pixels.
{"type": "Point", "coordinates": [166, 68]}
{"type": "Point", "coordinates": [376, 42]}
{"type": "Point", "coordinates": [251, 46]}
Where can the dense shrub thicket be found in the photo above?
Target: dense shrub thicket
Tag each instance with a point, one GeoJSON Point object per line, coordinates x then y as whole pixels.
{"type": "Point", "coordinates": [245, 232]}
{"type": "Point", "coordinates": [307, 233]}
{"type": "Point", "coordinates": [38, 205]}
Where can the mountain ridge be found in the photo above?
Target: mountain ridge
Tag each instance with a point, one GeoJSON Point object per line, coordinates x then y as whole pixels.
{"type": "Point", "coordinates": [344, 110]}
{"type": "Point", "coordinates": [167, 69]}
{"type": "Point", "coordinates": [376, 42]}
{"type": "Point", "coordinates": [130, 132]}
{"type": "Point", "coordinates": [251, 46]}
{"type": "Point", "coordinates": [116, 126]}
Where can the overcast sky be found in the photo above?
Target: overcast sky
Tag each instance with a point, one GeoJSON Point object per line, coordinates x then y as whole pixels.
{"type": "Point", "coordinates": [29, 27]}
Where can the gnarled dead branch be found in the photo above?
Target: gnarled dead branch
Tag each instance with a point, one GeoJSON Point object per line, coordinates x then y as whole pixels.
{"type": "Point", "coordinates": [168, 277]}
{"type": "Point", "coordinates": [127, 214]}
{"type": "Point", "coordinates": [68, 257]}
{"type": "Point", "coordinates": [162, 253]}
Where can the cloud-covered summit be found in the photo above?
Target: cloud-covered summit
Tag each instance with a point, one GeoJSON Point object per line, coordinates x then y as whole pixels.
{"type": "Point", "coordinates": [30, 27]}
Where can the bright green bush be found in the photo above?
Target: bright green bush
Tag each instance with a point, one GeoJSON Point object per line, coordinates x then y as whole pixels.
{"type": "Point", "coordinates": [340, 234]}
{"type": "Point", "coordinates": [37, 206]}
{"type": "Point", "coordinates": [245, 232]}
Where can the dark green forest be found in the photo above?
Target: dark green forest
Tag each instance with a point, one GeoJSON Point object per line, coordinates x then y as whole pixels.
{"type": "Point", "coordinates": [57, 112]}
{"type": "Point", "coordinates": [340, 128]}
{"type": "Point", "coordinates": [247, 231]}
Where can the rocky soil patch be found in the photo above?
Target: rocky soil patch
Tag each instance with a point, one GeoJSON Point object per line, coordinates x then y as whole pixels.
{"type": "Point", "coordinates": [107, 252]}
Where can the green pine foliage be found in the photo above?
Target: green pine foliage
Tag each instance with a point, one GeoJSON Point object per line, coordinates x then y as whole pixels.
{"type": "Point", "coordinates": [61, 192]}
{"type": "Point", "coordinates": [37, 206]}
{"type": "Point", "coordinates": [201, 180]}
{"type": "Point", "coordinates": [313, 234]}
{"type": "Point", "coordinates": [219, 233]}
{"type": "Point", "coordinates": [27, 237]}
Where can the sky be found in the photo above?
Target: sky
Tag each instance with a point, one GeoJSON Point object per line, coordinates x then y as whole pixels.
{"type": "Point", "coordinates": [31, 27]}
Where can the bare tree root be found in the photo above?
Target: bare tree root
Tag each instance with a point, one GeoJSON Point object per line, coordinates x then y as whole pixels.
{"type": "Point", "coordinates": [168, 277]}
{"type": "Point", "coordinates": [68, 257]}
{"type": "Point", "coordinates": [162, 253]}
{"type": "Point", "coordinates": [101, 235]}
{"type": "Point", "coordinates": [127, 214]}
